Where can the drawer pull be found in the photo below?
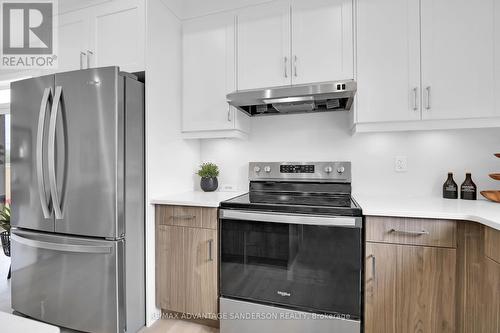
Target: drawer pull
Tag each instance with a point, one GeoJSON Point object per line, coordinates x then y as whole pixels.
{"type": "Point", "coordinates": [411, 233]}
{"type": "Point", "coordinates": [183, 217]}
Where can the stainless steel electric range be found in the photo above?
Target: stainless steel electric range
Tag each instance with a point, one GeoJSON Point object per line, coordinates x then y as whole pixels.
{"type": "Point", "coordinates": [291, 251]}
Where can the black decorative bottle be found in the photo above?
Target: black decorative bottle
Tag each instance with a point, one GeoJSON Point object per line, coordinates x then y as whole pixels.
{"type": "Point", "coordinates": [468, 190]}
{"type": "Point", "coordinates": [450, 188]}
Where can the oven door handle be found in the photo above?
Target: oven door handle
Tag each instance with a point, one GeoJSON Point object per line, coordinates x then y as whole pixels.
{"type": "Point", "coordinates": [320, 220]}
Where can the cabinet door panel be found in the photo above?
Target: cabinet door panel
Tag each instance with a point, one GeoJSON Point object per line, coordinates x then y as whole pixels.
{"type": "Point", "coordinates": [458, 59]}
{"type": "Point", "coordinates": [413, 289]}
{"type": "Point", "coordinates": [388, 60]}
{"type": "Point", "coordinates": [263, 45]}
{"type": "Point", "coordinates": [491, 297]}
{"type": "Point", "coordinates": [74, 32]}
{"type": "Point", "coordinates": [322, 40]}
{"type": "Point", "coordinates": [425, 289]}
{"type": "Point", "coordinates": [208, 72]}
{"type": "Point", "coordinates": [170, 268]}
{"type": "Point", "coordinates": [380, 288]}
{"type": "Point", "coordinates": [201, 263]}
{"type": "Point", "coordinates": [118, 35]}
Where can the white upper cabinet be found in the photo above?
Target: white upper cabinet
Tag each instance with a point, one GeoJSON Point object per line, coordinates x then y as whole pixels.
{"type": "Point", "coordinates": [74, 41]}
{"type": "Point", "coordinates": [208, 47]}
{"type": "Point", "coordinates": [107, 34]}
{"type": "Point", "coordinates": [458, 74]}
{"type": "Point", "coordinates": [294, 42]}
{"type": "Point", "coordinates": [426, 64]}
{"type": "Point", "coordinates": [322, 40]}
{"type": "Point", "coordinates": [264, 46]}
{"type": "Point", "coordinates": [388, 61]}
{"type": "Point", "coordinates": [118, 34]}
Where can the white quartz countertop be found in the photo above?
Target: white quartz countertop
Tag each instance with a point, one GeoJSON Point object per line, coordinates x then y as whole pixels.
{"type": "Point", "coordinates": [195, 198]}
{"type": "Point", "coordinates": [480, 211]}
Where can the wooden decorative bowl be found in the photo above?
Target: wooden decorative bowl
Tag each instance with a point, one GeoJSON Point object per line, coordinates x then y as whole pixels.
{"type": "Point", "coordinates": [491, 195]}
{"type": "Point", "coordinates": [495, 176]}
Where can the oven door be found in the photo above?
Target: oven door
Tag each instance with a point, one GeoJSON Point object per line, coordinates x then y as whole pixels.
{"type": "Point", "coordinates": [305, 262]}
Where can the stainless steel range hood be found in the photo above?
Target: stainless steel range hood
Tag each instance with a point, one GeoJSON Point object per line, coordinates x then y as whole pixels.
{"type": "Point", "coordinates": [304, 98]}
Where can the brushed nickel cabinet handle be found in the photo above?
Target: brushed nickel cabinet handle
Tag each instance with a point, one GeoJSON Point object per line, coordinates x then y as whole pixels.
{"type": "Point", "coordinates": [373, 266]}
{"type": "Point", "coordinates": [210, 257]}
{"type": "Point", "coordinates": [286, 67]}
{"type": "Point", "coordinates": [82, 54]}
{"type": "Point", "coordinates": [182, 217]}
{"type": "Point", "coordinates": [89, 53]}
{"type": "Point", "coordinates": [428, 90]}
{"type": "Point", "coordinates": [229, 113]}
{"type": "Point", "coordinates": [411, 233]}
{"type": "Point", "coordinates": [295, 66]}
{"type": "Point", "coordinates": [415, 99]}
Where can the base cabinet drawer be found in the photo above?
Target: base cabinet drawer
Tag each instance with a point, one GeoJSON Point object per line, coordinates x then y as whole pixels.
{"type": "Point", "coordinates": [409, 289]}
{"type": "Point", "coordinates": [411, 231]}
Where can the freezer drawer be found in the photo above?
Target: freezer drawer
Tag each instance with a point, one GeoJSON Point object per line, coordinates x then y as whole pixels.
{"type": "Point", "coordinates": [69, 281]}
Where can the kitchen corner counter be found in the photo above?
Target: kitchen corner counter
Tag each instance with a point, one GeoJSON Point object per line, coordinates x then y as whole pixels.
{"type": "Point", "coordinates": [195, 198]}
{"type": "Point", "coordinates": [480, 211]}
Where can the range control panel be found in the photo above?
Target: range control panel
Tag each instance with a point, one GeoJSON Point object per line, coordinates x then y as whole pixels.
{"type": "Point", "coordinates": [297, 168]}
{"type": "Point", "coordinates": [301, 171]}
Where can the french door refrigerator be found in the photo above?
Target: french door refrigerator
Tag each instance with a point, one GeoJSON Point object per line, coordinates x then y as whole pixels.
{"type": "Point", "coordinates": [77, 161]}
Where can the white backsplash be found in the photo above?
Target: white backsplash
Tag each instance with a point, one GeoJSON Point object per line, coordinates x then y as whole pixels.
{"type": "Point", "coordinates": [327, 136]}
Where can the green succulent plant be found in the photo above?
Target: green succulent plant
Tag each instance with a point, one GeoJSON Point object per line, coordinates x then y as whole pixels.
{"type": "Point", "coordinates": [208, 170]}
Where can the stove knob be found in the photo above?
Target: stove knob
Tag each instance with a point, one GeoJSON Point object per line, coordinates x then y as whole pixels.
{"type": "Point", "coordinates": [340, 170]}
{"type": "Point", "coordinates": [256, 169]}
{"type": "Point", "coordinates": [328, 169]}
{"type": "Point", "coordinates": [267, 169]}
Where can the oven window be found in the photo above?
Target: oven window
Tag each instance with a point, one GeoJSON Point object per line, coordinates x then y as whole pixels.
{"type": "Point", "coordinates": [313, 268]}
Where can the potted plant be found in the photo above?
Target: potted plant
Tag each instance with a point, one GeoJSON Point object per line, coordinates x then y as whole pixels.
{"type": "Point", "coordinates": [5, 235]}
{"type": "Point", "coordinates": [208, 173]}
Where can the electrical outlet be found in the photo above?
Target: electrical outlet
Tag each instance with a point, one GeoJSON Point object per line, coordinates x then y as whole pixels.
{"type": "Point", "coordinates": [228, 188]}
{"type": "Point", "coordinates": [401, 164]}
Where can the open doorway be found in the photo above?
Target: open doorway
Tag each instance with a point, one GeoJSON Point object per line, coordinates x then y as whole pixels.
{"type": "Point", "coordinates": [5, 303]}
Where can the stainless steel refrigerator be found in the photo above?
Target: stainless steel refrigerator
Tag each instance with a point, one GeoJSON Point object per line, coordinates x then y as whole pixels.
{"type": "Point", "coordinates": [77, 161]}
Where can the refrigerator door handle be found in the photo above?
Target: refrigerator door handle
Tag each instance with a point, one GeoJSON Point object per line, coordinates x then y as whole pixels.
{"type": "Point", "coordinates": [52, 154]}
{"type": "Point", "coordinates": [62, 247]}
{"type": "Point", "coordinates": [47, 93]}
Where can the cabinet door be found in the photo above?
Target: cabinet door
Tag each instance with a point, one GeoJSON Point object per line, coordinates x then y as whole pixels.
{"type": "Point", "coordinates": [118, 35]}
{"type": "Point", "coordinates": [322, 40]}
{"type": "Point", "coordinates": [388, 60]}
{"type": "Point", "coordinates": [208, 72]}
{"type": "Point", "coordinates": [201, 263]}
{"type": "Point", "coordinates": [380, 288]}
{"type": "Point", "coordinates": [170, 268]}
{"type": "Point", "coordinates": [491, 296]}
{"type": "Point", "coordinates": [74, 34]}
{"type": "Point", "coordinates": [458, 59]}
{"type": "Point", "coordinates": [410, 289]}
{"type": "Point", "coordinates": [264, 46]}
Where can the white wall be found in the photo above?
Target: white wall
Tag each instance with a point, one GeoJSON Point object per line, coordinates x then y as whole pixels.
{"type": "Point", "coordinates": [325, 137]}
{"type": "Point", "coordinates": [170, 160]}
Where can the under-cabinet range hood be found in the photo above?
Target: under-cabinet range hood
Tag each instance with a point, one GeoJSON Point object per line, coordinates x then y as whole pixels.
{"type": "Point", "coordinates": [304, 98]}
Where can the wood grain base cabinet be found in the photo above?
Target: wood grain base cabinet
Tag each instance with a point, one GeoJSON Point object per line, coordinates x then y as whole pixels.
{"type": "Point", "coordinates": [409, 289]}
{"type": "Point", "coordinates": [186, 260]}
{"type": "Point", "coordinates": [410, 273]}
{"type": "Point", "coordinates": [428, 275]}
